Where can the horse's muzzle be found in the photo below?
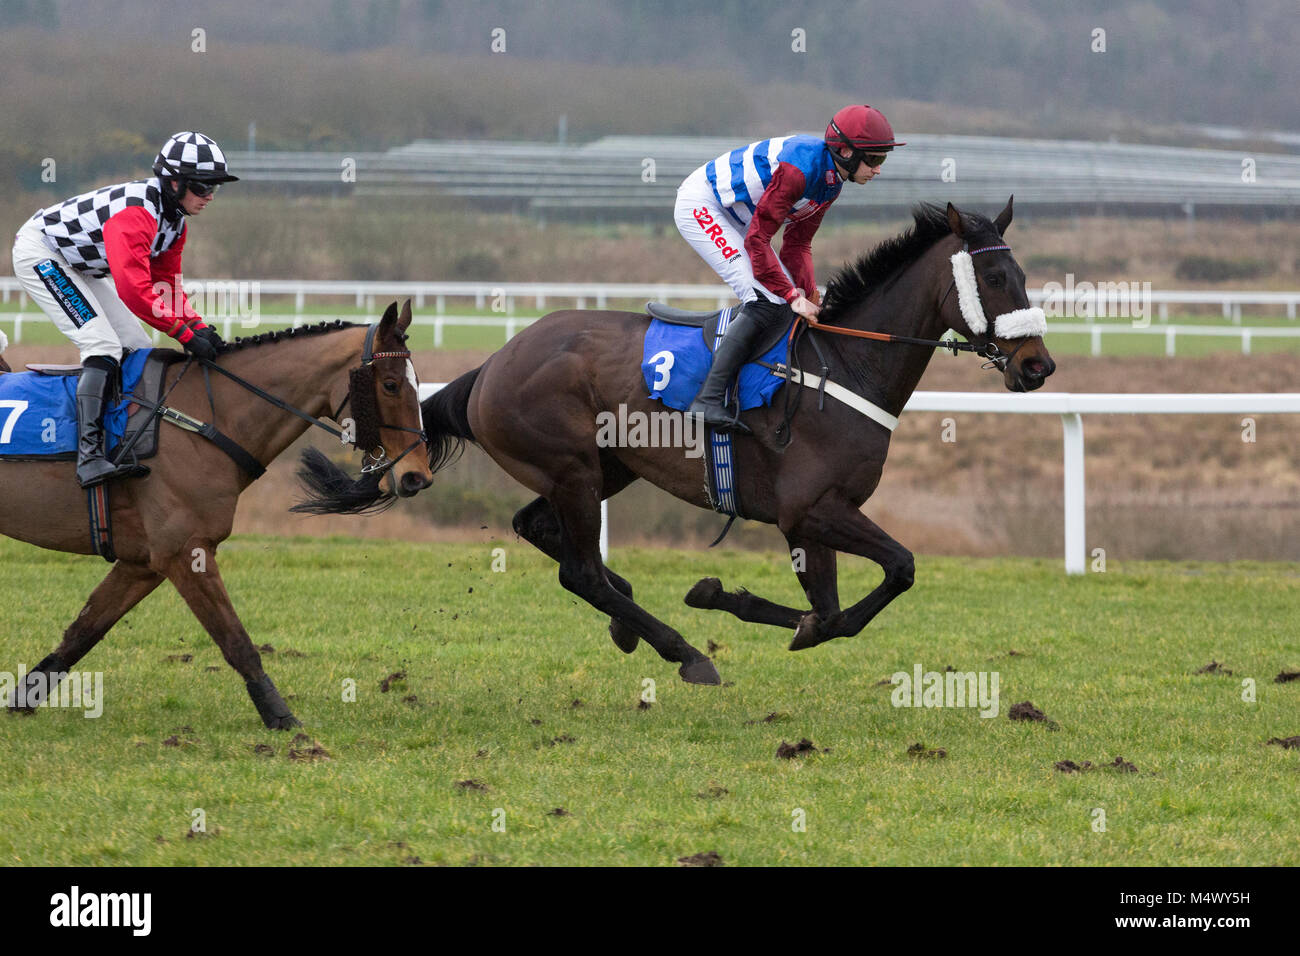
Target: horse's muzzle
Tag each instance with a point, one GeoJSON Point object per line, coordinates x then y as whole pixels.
{"type": "Point", "coordinates": [412, 483]}
{"type": "Point", "coordinates": [1032, 373]}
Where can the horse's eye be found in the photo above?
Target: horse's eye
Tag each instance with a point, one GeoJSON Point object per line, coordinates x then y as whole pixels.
{"type": "Point", "coordinates": [994, 279]}
{"type": "Point", "coordinates": [391, 387]}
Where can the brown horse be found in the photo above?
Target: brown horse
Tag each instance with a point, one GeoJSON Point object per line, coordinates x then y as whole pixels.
{"type": "Point", "coordinates": [534, 406]}
{"type": "Point", "coordinates": [168, 524]}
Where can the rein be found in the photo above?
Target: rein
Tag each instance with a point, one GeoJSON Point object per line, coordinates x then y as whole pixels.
{"type": "Point", "coordinates": [381, 462]}
{"type": "Point", "coordinates": [989, 350]}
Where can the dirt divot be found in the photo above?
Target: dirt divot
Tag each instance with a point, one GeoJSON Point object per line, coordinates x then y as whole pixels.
{"type": "Point", "coordinates": [788, 751]}
{"type": "Point", "coordinates": [709, 858]}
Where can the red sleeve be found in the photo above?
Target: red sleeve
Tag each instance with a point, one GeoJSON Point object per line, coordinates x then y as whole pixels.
{"type": "Point", "coordinates": [784, 190]}
{"type": "Point", "coordinates": [128, 237]}
{"type": "Point", "coordinates": [796, 249]}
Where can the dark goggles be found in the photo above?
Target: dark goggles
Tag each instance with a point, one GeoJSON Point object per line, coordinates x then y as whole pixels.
{"type": "Point", "coordinates": [201, 189]}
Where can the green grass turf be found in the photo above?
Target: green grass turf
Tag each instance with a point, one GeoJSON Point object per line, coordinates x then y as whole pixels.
{"type": "Point", "coordinates": [42, 332]}
{"type": "Point", "coordinates": [493, 675]}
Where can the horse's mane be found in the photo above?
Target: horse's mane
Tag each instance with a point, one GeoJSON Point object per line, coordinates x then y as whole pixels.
{"type": "Point", "coordinates": [857, 280]}
{"type": "Point", "coordinates": [280, 335]}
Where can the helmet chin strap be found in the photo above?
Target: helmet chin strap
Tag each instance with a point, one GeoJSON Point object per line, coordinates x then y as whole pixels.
{"type": "Point", "coordinates": [858, 156]}
{"type": "Point", "coordinates": [172, 200]}
{"type": "Point", "coordinates": [842, 163]}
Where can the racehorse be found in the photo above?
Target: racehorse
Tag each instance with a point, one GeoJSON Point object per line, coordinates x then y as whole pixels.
{"type": "Point", "coordinates": [534, 407]}
{"type": "Point", "coordinates": [259, 396]}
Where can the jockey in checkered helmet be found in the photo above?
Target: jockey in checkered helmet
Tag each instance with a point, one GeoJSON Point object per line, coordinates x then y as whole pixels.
{"type": "Point", "coordinates": [191, 158]}
{"type": "Point", "coordinates": [103, 261]}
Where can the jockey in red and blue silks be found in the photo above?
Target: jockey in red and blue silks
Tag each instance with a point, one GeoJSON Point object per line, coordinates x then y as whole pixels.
{"type": "Point", "coordinates": [730, 208]}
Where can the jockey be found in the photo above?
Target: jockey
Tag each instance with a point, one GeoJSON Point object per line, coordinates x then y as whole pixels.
{"type": "Point", "coordinates": [729, 210]}
{"type": "Point", "coordinates": [95, 263]}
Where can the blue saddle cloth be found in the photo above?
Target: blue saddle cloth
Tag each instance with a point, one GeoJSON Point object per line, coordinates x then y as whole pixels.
{"type": "Point", "coordinates": [38, 413]}
{"type": "Point", "coordinates": [675, 362]}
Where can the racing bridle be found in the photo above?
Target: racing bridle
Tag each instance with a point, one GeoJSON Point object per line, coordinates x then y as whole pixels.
{"type": "Point", "coordinates": [365, 410]}
{"type": "Point", "coordinates": [988, 349]}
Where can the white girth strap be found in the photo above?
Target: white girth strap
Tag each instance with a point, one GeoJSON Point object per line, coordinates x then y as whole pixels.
{"type": "Point", "coordinates": [1009, 325]}
{"type": "Point", "coordinates": [841, 394]}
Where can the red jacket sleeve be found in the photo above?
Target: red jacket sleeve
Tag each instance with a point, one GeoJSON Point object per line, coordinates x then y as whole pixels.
{"type": "Point", "coordinates": [796, 249]}
{"type": "Point", "coordinates": [128, 238]}
{"type": "Point", "coordinates": [784, 190]}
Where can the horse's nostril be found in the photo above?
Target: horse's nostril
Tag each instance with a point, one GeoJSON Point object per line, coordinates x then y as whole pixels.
{"type": "Point", "coordinates": [412, 482]}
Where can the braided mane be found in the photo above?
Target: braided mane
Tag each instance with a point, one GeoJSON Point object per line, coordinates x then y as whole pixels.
{"type": "Point", "coordinates": [868, 274]}
{"type": "Point", "coordinates": [281, 335]}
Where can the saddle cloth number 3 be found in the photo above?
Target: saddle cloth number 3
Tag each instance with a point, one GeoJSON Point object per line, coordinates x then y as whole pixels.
{"type": "Point", "coordinates": [16, 407]}
{"type": "Point", "coordinates": [663, 365]}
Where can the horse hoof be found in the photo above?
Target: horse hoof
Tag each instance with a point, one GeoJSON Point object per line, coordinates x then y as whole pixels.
{"type": "Point", "coordinates": [624, 638]}
{"type": "Point", "coordinates": [808, 633]}
{"type": "Point", "coordinates": [704, 594]}
{"type": "Point", "coordinates": [284, 723]}
{"type": "Point", "coordinates": [700, 672]}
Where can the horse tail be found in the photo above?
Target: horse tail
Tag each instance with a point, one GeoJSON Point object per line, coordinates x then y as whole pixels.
{"type": "Point", "coordinates": [446, 420]}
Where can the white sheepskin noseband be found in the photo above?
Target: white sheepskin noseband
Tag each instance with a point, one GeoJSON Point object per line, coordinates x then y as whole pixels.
{"type": "Point", "coordinates": [1009, 325]}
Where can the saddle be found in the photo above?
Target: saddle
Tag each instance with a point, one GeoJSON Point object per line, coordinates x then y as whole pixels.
{"type": "Point", "coordinates": [707, 323]}
{"type": "Point", "coordinates": [51, 390]}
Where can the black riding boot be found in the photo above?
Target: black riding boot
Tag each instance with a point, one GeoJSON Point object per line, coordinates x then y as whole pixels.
{"type": "Point", "coordinates": [94, 388]}
{"type": "Point", "coordinates": [755, 318]}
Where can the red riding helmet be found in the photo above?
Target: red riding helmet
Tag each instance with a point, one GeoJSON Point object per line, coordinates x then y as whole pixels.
{"type": "Point", "coordinates": [862, 129]}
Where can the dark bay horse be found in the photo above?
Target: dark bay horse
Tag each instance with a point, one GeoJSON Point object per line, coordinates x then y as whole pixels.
{"type": "Point", "coordinates": [534, 408]}
{"type": "Point", "coordinates": [168, 524]}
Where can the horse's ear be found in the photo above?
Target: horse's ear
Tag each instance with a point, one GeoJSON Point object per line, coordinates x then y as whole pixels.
{"type": "Point", "coordinates": [954, 221]}
{"type": "Point", "coordinates": [404, 320]}
{"type": "Point", "coordinates": [1004, 218]}
{"type": "Point", "coordinates": [389, 320]}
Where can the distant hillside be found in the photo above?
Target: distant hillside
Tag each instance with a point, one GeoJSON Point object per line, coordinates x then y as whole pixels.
{"type": "Point", "coordinates": [1227, 62]}
{"type": "Point", "coordinates": [102, 116]}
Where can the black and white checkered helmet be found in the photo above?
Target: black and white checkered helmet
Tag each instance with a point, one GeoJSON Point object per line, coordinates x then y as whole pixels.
{"type": "Point", "coordinates": [194, 156]}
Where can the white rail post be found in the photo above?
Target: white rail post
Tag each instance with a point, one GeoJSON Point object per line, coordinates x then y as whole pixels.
{"type": "Point", "coordinates": [437, 333]}
{"type": "Point", "coordinates": [1170, 333]}
{"type": "Point", "coordinates": [1245, 341]}
{"type": "Point", "coordinates": [604, 531]}
{"type": "Point", "coordinates": [1096, 340]}
{"type": "Point", "coordinates": [1076, 553]}
{"type": "Point", "coordinates": [18, 328]}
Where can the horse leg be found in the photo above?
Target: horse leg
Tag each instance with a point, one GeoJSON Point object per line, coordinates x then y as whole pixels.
{"type": "Point", "coordinates": [125, 586]}
{"type": "Point", "coordinates": [816, 564]}
{"type": "Point", "coordinates": [206, 595]}
{"type": "Point", "coordinates": [582, 572]}
{"type": "Point", "coordinates": [838, 525]}
{"type": "Point", "coordinates": [538, 524]}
